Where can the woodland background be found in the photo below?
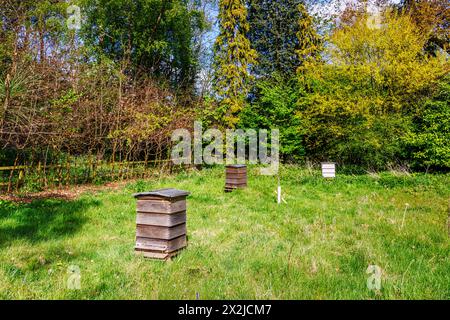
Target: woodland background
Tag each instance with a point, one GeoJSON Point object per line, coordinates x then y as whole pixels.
{"type": "Point", "coordinates": [100, 103]}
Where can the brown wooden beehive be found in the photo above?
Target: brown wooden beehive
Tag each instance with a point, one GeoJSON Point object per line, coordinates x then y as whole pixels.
{"type": "Point", "coordinates": [161, 223]}
{"type": "Point", "coordinates": [235, 177]}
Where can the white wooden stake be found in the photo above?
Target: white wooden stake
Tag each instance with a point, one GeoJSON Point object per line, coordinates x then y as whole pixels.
{"type": "Point", "coordinates": [279, 194]}
{"type": "Point", "coordinates": [279, 191]}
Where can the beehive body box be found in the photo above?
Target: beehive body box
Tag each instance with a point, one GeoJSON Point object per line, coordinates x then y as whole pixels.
{"type": "Point", "coordinates": [161, 220]}
{"type": "Point", "coordinates": [162, 233]}
{"type": "Point", "coordinates": [161, 206]}
{"type": "Point", "coordinates": [161, 223]}
{"type": "Point", "coordinates": [236, 177]}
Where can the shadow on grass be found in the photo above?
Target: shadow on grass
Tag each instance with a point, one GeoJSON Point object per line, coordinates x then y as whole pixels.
{"type": "Point", "coordinates": [42, 220]}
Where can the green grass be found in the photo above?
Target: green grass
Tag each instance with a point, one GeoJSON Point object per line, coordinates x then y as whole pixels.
{"type": "Point", "coordinates": [242, 245]}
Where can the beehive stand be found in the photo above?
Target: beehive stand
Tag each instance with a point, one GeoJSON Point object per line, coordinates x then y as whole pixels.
{"type": "Point", "coordinates": [235, 177]}
{"type": "Point", "coordinates": [161, 223]}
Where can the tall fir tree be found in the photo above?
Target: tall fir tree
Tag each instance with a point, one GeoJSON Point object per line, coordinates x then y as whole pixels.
{"type": "Point", "coordinates": [233, 58]}
{"type": "Point", "coordinates": [309, 41]}
{"type": "Point", "coordinates": [273, 34]}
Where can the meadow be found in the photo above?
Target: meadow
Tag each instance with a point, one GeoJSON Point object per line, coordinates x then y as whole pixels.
{"type": "Point", "coordinates": [318, 244]}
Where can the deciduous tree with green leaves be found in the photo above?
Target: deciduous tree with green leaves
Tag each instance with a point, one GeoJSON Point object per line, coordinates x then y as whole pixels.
{"type": "Point", "coordinates": [147, 36]}
{"type": "Point", "coordinates": [363, 99]}
{"type": "Point", "coordinates": [429, 141]}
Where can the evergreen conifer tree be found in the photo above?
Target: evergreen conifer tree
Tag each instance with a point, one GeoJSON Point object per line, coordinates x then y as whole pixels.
{"type": "Point", "coordinates": [233, 58]}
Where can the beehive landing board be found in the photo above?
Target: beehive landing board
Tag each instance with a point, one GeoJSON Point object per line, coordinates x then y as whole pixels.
{"type": "Point", "coordinates": [157, 255]}
{"type": "Point", "coordinates": [167, 246]}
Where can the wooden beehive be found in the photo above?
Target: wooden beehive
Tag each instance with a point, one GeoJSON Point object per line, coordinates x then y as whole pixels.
{"type": "Point", "coordinates": [161, 223]}
{"type": "Point", "coordinates": [235, 177]}
{"type": "Point", "coordinates": [328, 169]}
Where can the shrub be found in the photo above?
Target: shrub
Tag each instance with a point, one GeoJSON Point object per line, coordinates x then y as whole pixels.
{"type": "Point", "coordinates": [429, 142]}
{"type": "Point", "coordinates": [273, 106]}
{"type": "Point", "coordinates": [360, 104]}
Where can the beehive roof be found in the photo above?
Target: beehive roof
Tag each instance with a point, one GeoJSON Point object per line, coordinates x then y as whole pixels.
{"type": "Point", "coordinates": [163, 193]}
{"type": "Point", "coordinates": [237, 166]}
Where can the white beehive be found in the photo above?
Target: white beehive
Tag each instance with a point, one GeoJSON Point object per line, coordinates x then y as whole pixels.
{"type": "Point", "coordinates": [328, 169]}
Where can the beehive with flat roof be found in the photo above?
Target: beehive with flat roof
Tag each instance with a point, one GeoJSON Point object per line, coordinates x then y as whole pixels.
{"type": "Point", "coordinates": [235, 177]}
{"type": "Point", "coordinates": [161, 223]}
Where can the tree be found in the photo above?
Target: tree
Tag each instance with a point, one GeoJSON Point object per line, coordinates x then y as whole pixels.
{"type": "Point", "coordinates": [273, 34]}
{"type": "Point", "coordinates": [148, 36]}
{"type": "Point", "coordinates": [233, 58]}
{"type": "Point", "coordinates": [429, 141]}
{"type": "Point", "coordinates": [275, 107]}
{"type": "Point", "coordinates": [284, 34]}
{"type": "Point", "coordinates": [433, 19]}
{"type": "Point", "coordinates": [309, 42]}
{"type": "Point", "coordinates": [363, 99]}
{"type": "Point", "coordinates": [95, 91]}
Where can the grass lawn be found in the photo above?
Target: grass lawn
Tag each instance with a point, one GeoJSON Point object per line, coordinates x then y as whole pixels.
{"type": "Point", "coordinates": [242, 245]}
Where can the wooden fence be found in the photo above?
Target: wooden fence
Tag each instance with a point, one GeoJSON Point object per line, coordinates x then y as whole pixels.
{"type": "Point", "coordinates": [36, 177]}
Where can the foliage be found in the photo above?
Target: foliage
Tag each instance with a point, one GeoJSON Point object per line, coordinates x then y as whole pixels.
{"type": "Point", "coordinates": [149, 35]}
{"type": "Point", "coordinates": [273, 107]}
{"type": "Point", "coordinates": [309, 42]}
{"type": "Point", "coordinates": [429, 142]}
{"type": "Point", "coordinates": [273, 34]}
{"type": "Point", "coordinates": [363, 99]}
{"type": "Point", "coordinates": [287, 41]}
{"type": "Point", "coordinates": [90, 92]}
{"type": "Point", "coordinates": [137, 70]}
{"type": "Point", "coordinates": [233, 57]}
{"type": "Point", "coordinates": [433, 19]}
